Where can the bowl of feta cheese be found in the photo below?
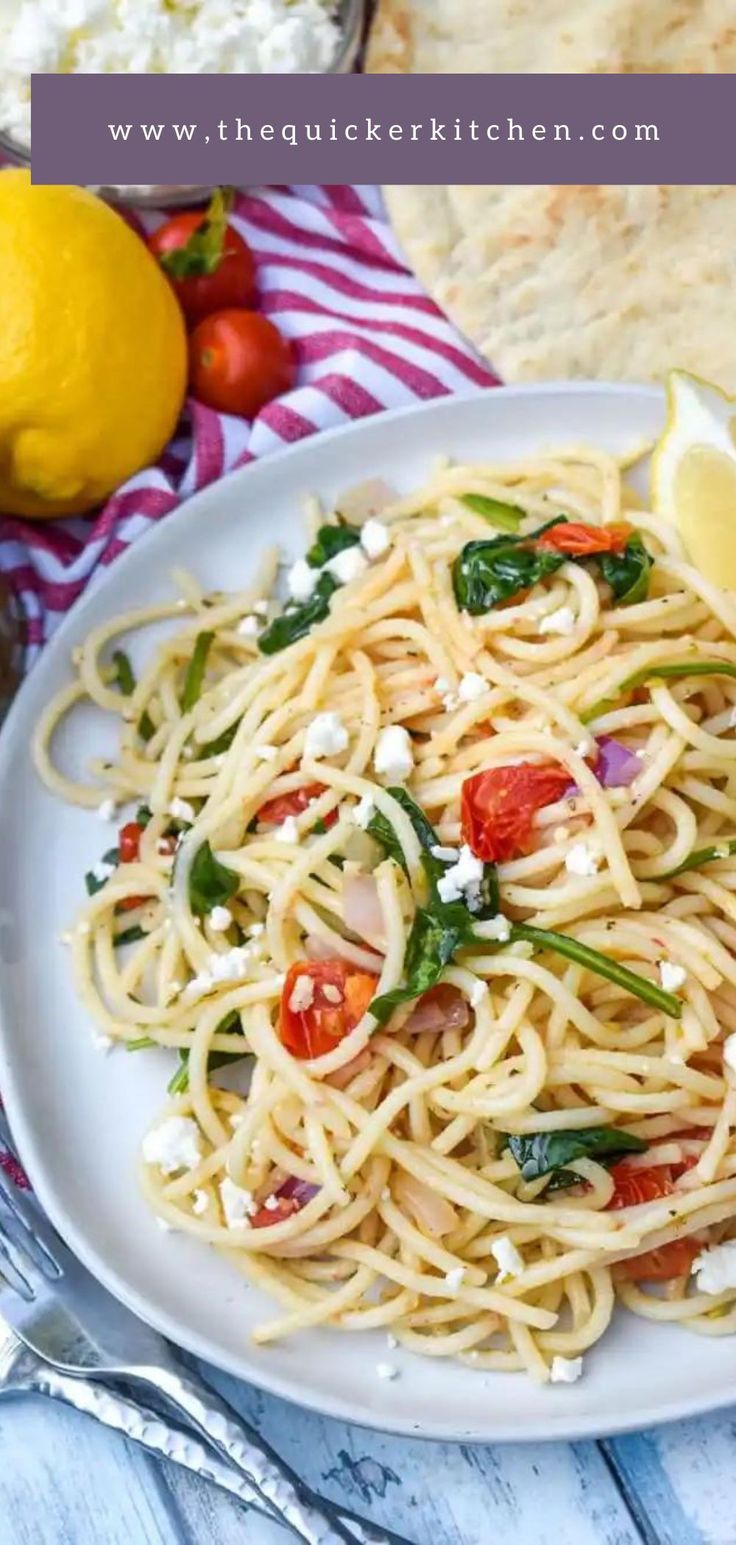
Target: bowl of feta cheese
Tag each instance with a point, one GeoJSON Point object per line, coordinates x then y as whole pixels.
{"type": "Point", "coordinates": [170, 37]}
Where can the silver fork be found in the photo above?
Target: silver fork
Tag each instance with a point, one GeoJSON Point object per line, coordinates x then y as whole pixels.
{"type": "Point", "coordinates": [59, 1310]}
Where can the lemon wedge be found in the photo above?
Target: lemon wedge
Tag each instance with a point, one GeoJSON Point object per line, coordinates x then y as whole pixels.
{"type": "Point", "coordinates": [694, 474]}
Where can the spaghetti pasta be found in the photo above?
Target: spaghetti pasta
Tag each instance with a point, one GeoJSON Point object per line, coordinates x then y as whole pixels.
{"type": "Point", "coordinates": [433, 890]}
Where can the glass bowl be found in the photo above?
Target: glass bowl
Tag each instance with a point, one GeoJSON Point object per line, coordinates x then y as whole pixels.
{"type": "Point", "coordinates": [350, 16]}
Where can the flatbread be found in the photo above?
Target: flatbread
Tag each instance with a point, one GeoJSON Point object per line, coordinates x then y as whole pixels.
{"type": "Point", "coordinates": [614, 283]}
{"type": "Point", "coordinates": [550, 37]}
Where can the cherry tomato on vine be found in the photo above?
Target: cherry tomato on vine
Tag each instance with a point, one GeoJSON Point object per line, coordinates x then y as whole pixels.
{"type": "Point", "coordinates": [207, 263]}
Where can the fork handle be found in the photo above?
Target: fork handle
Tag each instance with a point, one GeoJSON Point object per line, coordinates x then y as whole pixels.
{"type": "Point", "coordinates": [144, 1426]}
{"type": "Point", "coordinates": [313, 1520]}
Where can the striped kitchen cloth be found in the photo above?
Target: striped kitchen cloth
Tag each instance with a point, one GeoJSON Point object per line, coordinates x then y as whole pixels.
{"type": "Point", "coordinates": [366, 337]}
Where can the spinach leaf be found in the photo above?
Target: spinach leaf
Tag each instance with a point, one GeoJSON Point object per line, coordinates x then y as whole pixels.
{"type": "Point", "coordinates": [221, 744]}
{"type": "Point", "coordinates": [507, 517]}
{"type": "Point", "coordinates": [628, 572]}
{"type": "Point", "coordinates": [486, 573]}
{"type": "Point", "coordinates": [143, 815]}
{"type": "Point", "coordinates": [603, 965]}
{"type": "Point", "coordinates": [669, 670]}
{"type": "Point", "coordinates": [92, 883]}
{"type": "Point", "coordinates": [211, 884]}
{"type": "Point", "coordinates": [329, 541]}
{"type": "Point", "coordinates": [431, 946]}
{"type": "Point", "coordinates": [217, 1059]}
{"type": "Point", "coordinates": [124, 674]}
{"type": "Point", "coordinates": [141, 1043]}
{"type": "Point", "coordinates": [701, 856]}
{"type": "Point", "coordinates": [146, 726]}
{"type": "Point", "coordinates": [192, 690]}
{"type": "Point", "coordinates": [130, 935]}
{"type": "Point", "coordinates": [543, 1153]}
{"type": "Point", "coordinates": [440, 927]}
{"type": "Point", "coordinates": [297, 620]}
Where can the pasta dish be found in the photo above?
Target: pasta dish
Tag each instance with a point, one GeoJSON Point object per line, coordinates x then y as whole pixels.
{"type": "Point", "coordinates": [426, 878]}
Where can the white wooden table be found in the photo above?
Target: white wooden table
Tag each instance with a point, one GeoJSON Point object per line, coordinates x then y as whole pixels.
{"type": "Point", "coordinates": [66, 1481]}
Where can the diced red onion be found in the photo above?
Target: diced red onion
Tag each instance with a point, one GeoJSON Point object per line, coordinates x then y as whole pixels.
{"type": "Point", "coordinates": [615, 767]}
{"type": "Point", "coordinates": [301, 1191]}
{"type": "Point", "coordinates": [365, 500]}
{"type": "Point", "coordinates": [361, 906]}
{"type": "Point", "coordinates": [442, 1008]}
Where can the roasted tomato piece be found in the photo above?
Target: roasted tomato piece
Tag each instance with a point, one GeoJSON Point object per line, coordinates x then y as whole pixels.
{"type": "Point", "coordinates": [285, 1207]}
{"type": "Point", "coordinates": [275, 811]}
{"type": "Point", "coordinates": [580, 541]}
{"type": "Point", "coordinates": [634, 1185]}
{"type": "Point", "coordinates": [321, 1003]}
{"type": "Point", "coordinates": [672, 1260]}
{"type": "Point", "coordinates": [498, 807]}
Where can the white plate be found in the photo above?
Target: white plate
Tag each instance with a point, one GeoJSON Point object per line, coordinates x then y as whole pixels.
{"type": "Point", "coordinates": [79, 1116]}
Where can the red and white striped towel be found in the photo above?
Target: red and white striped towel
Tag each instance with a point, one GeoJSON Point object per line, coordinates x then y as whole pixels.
{"type": "Point", "coordinates": [366, 338]}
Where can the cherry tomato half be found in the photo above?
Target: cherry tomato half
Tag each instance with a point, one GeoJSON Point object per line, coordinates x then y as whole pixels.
{"type": "Point", "coordinates": [498, 807]}
{"type": "Point", "coordinates": [129, 844]}
{"type": "Point", "coordinates": [238, 361]}
{"type": "Point", "coordinates": [334, 997]}
{"type": "Point", "coordinates": [580, 541]}
{"type": "Point", "coordinates": [207, 263]}
{"type": "Point", "coordinates": [633, 1185]}
{"type": "Point", "coordinates": [285, 1207]}
{"type": "Point", "coordinates": [275, 811]}
{"type": "Point", "coordinates": [672, 1260]}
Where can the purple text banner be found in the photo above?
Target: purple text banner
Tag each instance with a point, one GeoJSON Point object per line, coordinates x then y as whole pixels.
{"type": "Point", "coordinates": [395, 129]}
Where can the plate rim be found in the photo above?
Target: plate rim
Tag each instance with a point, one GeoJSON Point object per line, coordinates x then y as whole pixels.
{"type": "Point", "coordinates": [558, 1426]}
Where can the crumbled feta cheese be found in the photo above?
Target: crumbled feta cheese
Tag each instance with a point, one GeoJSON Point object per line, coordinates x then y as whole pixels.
{"type": "Point", "coordinates": [375, 538]}
{"type": "Point", "coordinates": [237, 1204]}
{"type": "Point", "coordinates": [199, 1205]}
{"type": "Point", "coordinates": [561, 621]}
{"type": "Point", "coordinates": [106, 810]}
{"type": "Point", "coordinates": [174, 1145]}
{"type": "Point", "coordinates": [566, 1370]}
{"type": "Point", "coordinates": [447, 855]}
{"type": "Point", "coordinates": [267, 753]}
{"type": "Point", "coordinates": [462, 881]}
{"type": "Point", "coordinates": [715, 1269]}
{"type": "Point", "coordinates": [271, 1203]}
{"type": "Point", "coordinates": [454, 1279]}
{"type": "Point", "coordinates": [478, 992]}
{"type": "Point", "coordinates": [302, 996]}
{"type": "Point", "coordinates": [154, 37]}
{"type": "Point", "coordinates": [256, 929]}
{"type": "Point", "coordinates": [181, 810]}
{"type": "Point", "coordinates": [393, 757]}
{"type": "Point", "coordinates": [166, 1228]}
{"type": "Point", "coordinates": [83, 927]}
{"type": "Point", "coordinates": [229, 966]}
{"type": "Point", "coordinates": [364, 812]}
{"type": "Point", "coordinates": [583, 748]}
{"type": "Point", "coordinates": [472, 685]}
{"type": "Point", "coordinates": [331, 993]}
{"type": "Point", "coordinates": [729, 1052]}
{"type": "Point", "coordinates": [508, 1260]}
{"type": "Point", "coordinates": [442, 685]}
{"type": "Point", "coordinates": [387, 1371]}
{"type": "Point", "coordinates": [260, 608]}
{"type": "Point", "coordinates": [497, 928]}
{"type": "Point", "coordinates": [102, 871]}
{"type": "Point", "coordinates": [326, 736]}
{"type": "Point", "coordinates": [103, 1043]}
{"type": "Point", "coordinates": [348, 565]}
{"type": "Point", "coordinates": [302, 580]}
{"type": "Point", "coordinates": [581, 860]}
{"type": "Point", "coordinates": [288, 831]}
{"type": "Point", "coordinates": [671, 976]}
{"type": "Point", "coordinates": [220, 919]}
{"type": "Point", "coordinates": [248, 627]}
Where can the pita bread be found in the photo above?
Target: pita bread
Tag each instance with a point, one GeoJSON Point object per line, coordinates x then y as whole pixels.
{"type": "Point", "coordinates": [616, 283]}
{"type": "Point", "coordinates": [551, 37]}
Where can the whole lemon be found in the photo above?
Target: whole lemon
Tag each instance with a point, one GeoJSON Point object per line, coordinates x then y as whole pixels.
{"type": "Point", "coordinates": [92, 350]}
